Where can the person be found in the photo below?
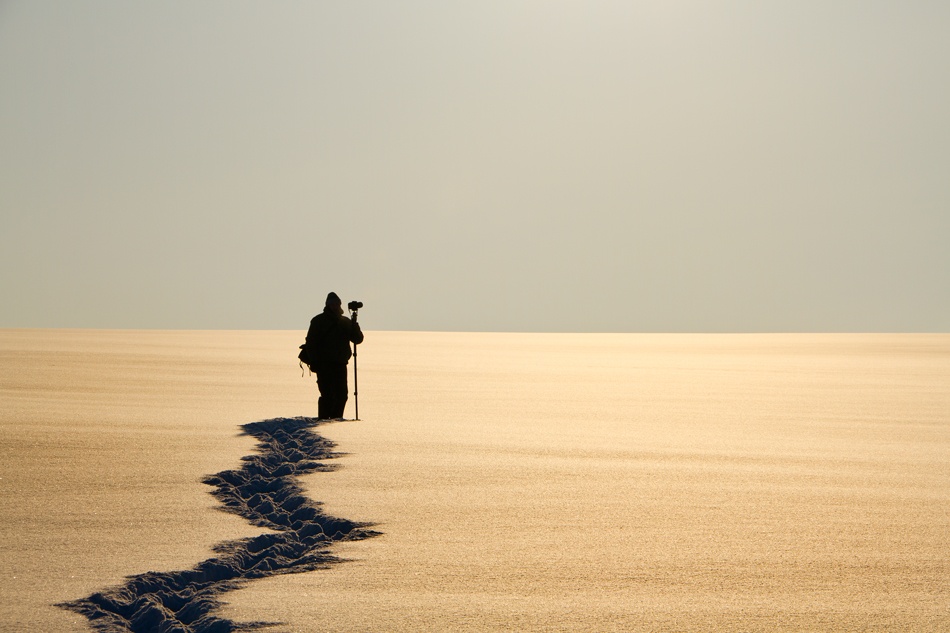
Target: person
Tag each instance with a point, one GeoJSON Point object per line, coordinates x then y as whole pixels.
{"type": "Point", "coordinates": [328, 342]}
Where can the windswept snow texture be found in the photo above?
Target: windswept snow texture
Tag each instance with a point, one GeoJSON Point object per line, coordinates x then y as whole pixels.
{"type": "Point", "coordinates": [265, 491]}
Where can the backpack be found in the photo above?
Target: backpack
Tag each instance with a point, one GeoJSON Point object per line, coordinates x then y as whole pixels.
{"type": "Point", "coordinates": [303, 359]}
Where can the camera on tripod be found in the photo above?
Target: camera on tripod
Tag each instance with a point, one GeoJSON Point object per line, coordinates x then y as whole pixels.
{"type": "Point", "coordinates": [354, 305]}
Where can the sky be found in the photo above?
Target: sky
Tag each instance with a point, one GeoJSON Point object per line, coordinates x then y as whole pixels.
{"type": "Point", "coordinates": [510, 165]}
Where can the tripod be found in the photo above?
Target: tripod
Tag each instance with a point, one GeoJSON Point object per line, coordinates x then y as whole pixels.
{"type": "Point", "coordinates": [356, 380]}
{"type": "Point", "coordinates": [356, 385]}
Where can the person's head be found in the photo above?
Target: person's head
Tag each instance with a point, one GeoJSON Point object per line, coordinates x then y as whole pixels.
{"type": "Point", "coordinates": [334, 304]}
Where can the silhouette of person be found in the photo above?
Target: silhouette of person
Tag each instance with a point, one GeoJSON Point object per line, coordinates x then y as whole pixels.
{"type": "Point", "coordinates": [328, 342]}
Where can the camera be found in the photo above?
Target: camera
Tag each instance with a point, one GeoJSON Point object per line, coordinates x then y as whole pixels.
{"type": "Point", "coordinates": [354, 305]}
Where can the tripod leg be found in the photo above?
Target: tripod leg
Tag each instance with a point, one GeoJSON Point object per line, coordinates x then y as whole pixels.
{"type": "Point", "coordinates": [356, 386]}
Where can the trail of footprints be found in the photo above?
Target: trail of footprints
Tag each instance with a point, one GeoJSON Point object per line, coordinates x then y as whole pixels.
{"type": "Point", "coordinates": [264, 491]}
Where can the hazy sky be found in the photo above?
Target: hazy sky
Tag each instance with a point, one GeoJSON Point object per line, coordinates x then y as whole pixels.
{"type": "Point", "coordinates": [546, 165]}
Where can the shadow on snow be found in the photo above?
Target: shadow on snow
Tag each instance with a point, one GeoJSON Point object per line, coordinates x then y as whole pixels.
{"type": "Point", "coordinates": [265, 491]}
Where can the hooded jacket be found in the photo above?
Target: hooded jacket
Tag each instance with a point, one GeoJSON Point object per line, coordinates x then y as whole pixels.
{"type": "Point", "coordinates": [329, 338]}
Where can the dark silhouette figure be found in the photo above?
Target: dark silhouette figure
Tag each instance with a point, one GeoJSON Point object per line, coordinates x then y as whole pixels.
{"type": "Point", "coordinates": [328, 344]}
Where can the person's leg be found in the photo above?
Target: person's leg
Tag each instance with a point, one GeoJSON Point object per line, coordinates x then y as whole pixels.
{"type": "Point", "coordinates": [334, 391]}
{"type": "Point", "coordinates": [340, 392]}
{"type": "Point", "coordinates": [345, 391]}
{"type": "Point", "coordinates": [323, 383]}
